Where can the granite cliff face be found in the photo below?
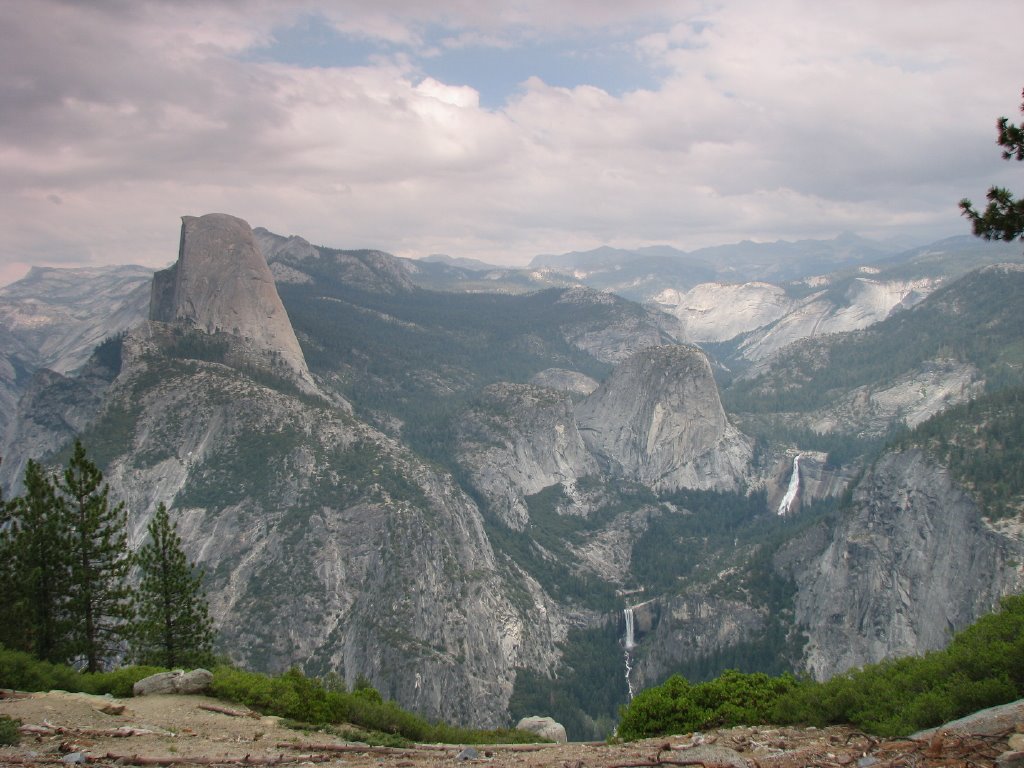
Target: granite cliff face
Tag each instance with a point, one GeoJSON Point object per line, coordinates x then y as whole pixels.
{"type": "Point", "coordinates": [658, 420]}
{"type": "Point", "coordinates": [517, 440]}
{"type": "Point", "coordinates": [221, 284]}
{"type": "Point", "coordinates": [909, 564]}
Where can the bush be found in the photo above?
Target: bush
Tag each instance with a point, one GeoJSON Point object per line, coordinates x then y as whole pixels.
{"type": "Point", "coordinates": [9, 735]}
{"type": "Point", "coordinates": [677, 706]}
{"type": "Point", "coordinates": [307, 700]}
{"type": "Point", "coordinates": [23, 672]}
{"type": "Point", "coordinates": [118, 682]}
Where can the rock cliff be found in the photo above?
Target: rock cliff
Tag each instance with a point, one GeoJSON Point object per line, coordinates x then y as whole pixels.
{"type": "Point", "coordinates": [658, 420]}
{"type": "Point", "coordinates": [221, 283]}
{"type": "Point", "coordinates": [517, 440]}
{"type": "Point", "coordinates": [909, 564]}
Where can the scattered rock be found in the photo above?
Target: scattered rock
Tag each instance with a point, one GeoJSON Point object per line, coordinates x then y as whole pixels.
{"type": "Point", "coordinates": [178, 681]}
{"type": "Point", "coordinates": [545, 727]}
{"type": "Point", "coordinates": [468, 754]}
{"type": "Point", "coordinates": [113, 709]}
{"type": "Point", "coordinates": [1017, 742]}
{"type": "Point", "coordinates": [73, 758]}
{"type": "Point", "coordinates": [1010, 760]}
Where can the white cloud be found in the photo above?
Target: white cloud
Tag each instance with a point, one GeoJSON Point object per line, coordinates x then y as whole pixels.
{"type": "Point", "coordinates": [787, 120]}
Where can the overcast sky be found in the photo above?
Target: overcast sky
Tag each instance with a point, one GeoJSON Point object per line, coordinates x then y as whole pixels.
{"type": "Point", "coordinates": [496, 130]}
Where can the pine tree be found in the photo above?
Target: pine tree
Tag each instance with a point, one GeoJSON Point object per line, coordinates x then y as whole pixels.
{"type": "Point", "coordinates": [172, 626]}
{"type": "Point", "coordinates": [12, 620]}
{"type": "Point", "coordinates": [98, 597]}
{"type": "Point", "coordinates": [1003, 217]}
{"type": "Point", "coordinates": [39, 568]}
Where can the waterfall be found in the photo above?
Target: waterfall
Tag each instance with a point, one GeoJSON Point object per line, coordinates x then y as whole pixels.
{"type": "Point", "coordinates": [629, 645]}
{"type": "Point", "coordinates": [628, 613]}
{"type": "Point", "coordinates": [793, 489]}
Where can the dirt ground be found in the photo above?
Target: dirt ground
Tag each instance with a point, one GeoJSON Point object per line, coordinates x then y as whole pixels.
{"type": "Point", "coordinates": [64, 728]}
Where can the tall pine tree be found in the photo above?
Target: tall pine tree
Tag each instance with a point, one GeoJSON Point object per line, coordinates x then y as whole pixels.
{"type": "Point", "coordinates": [39, 565]}
{"type": "Point", "coordinates": [98, 597]}
{"type": "Point", "coordinates": [172, 626]}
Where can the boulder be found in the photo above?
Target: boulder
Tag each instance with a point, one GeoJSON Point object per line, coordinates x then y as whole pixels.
{"type": "Point", "coordinates": [545, 727]}
{"type": "Point", "coordinates": [986, 722]}
{"type": "Point", "coordinates": [178, 681]}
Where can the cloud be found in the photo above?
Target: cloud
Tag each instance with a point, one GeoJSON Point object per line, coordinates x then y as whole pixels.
{"type": "Point", "coordinates": [760, 121]}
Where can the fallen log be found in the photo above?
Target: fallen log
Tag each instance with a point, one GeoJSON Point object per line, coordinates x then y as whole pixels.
{"type": "Point", "coordinates": [124, 731]}
{"type": "Point", "coordinates": [228, 711]}
{"type": "Point", "coordinates": [200, 760]}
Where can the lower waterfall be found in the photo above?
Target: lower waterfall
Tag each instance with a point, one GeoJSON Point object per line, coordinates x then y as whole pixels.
{"type": "Point", "coordinates": [629, 644]}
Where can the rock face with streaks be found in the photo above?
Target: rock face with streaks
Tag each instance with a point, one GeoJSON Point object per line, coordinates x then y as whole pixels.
{"type": "Point", "coordinates": [221, 284]}
{"type": "Point", "coordinates": [658, 420]}
{"type": "Point", "coordinates": [910, 564]}
{"type": "Point", "coordinates": [517, 440]}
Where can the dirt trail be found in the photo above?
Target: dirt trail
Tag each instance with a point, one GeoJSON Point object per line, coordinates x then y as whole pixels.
{"type": "Point", "coordinates": [177, 730]}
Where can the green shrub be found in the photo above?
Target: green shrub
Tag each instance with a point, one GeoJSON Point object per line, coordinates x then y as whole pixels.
{"type": "Point", "coordinates": [118, 682]}
{"type": "Point", "coordinates": [678, 706]}
{"type": "Point", "coordinates": [9, 735]}
{"type": "Point", "coordinates": [23, 672]}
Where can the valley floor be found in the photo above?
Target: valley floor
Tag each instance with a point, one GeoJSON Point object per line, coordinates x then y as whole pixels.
{"type": "Point", "coordinates": [188, 730]}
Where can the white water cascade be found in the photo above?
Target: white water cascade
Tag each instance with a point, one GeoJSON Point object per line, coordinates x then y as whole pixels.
{"type": "Point", "coordinates": [793, 489]}
{"type": "Point", "coordinates": [629, 643]}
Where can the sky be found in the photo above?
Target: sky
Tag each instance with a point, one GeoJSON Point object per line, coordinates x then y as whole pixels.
{"type": "Point", "coordinates": [496, 130]}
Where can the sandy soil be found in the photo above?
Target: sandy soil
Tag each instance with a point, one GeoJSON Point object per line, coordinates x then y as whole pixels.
{"type": "Point", "coordinates": [176, 730]}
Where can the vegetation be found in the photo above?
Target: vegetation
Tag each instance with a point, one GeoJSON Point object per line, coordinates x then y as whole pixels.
{"type": "Point", "coordinates": [64, 566]}
{"type": "Point", "coordinates": [172, 624]}
{"type": "Point", "coordinates": [297, 697]}
{"type": "Point", "coordinates": [98, 595]}
{"type": "Point", "coordinates": [9, 735]}
{"type": "Point", "coordinates": [23, 672]}
{"type": "Point", "coordinates": [677, 706]}
{"type": "Point", "coordinates": [1003, 217]}
{"type": "Point", "coordinates": [982, 667]}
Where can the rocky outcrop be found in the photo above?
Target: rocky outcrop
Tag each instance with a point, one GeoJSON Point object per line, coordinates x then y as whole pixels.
{"type": "Point", "coordinates": [545, 727]}
{"type": "Point", "coordinates": [178, 681]}
{"type": "Point", "coordinates": [721, 311]}
{"type": "Point", "coordinates": [517, 440]}
{"type": "Point", "coordinates": [632, 329]}
{"type": "Point", "coordinates": [221, 284]}
{"type": "Point", "coordinates": [658, 420]}
{"type": "Point", "coordinates": [910, 563]}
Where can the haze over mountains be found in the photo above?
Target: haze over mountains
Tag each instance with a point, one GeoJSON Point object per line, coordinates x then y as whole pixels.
{"type": "Point", "coordinates": [453, 479]}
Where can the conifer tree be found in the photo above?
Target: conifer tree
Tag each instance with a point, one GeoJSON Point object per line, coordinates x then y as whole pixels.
{"type": "Point", "coordinates": [98, 597]}
{"type": "Point", "coordinates": [38, 535]}
{"type": "Point", "coordinates": [11, 609]}
{"type": "Point", "coordinates": [172, 626]}
{"type": "Point", "coordinates": [1003, 217]}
